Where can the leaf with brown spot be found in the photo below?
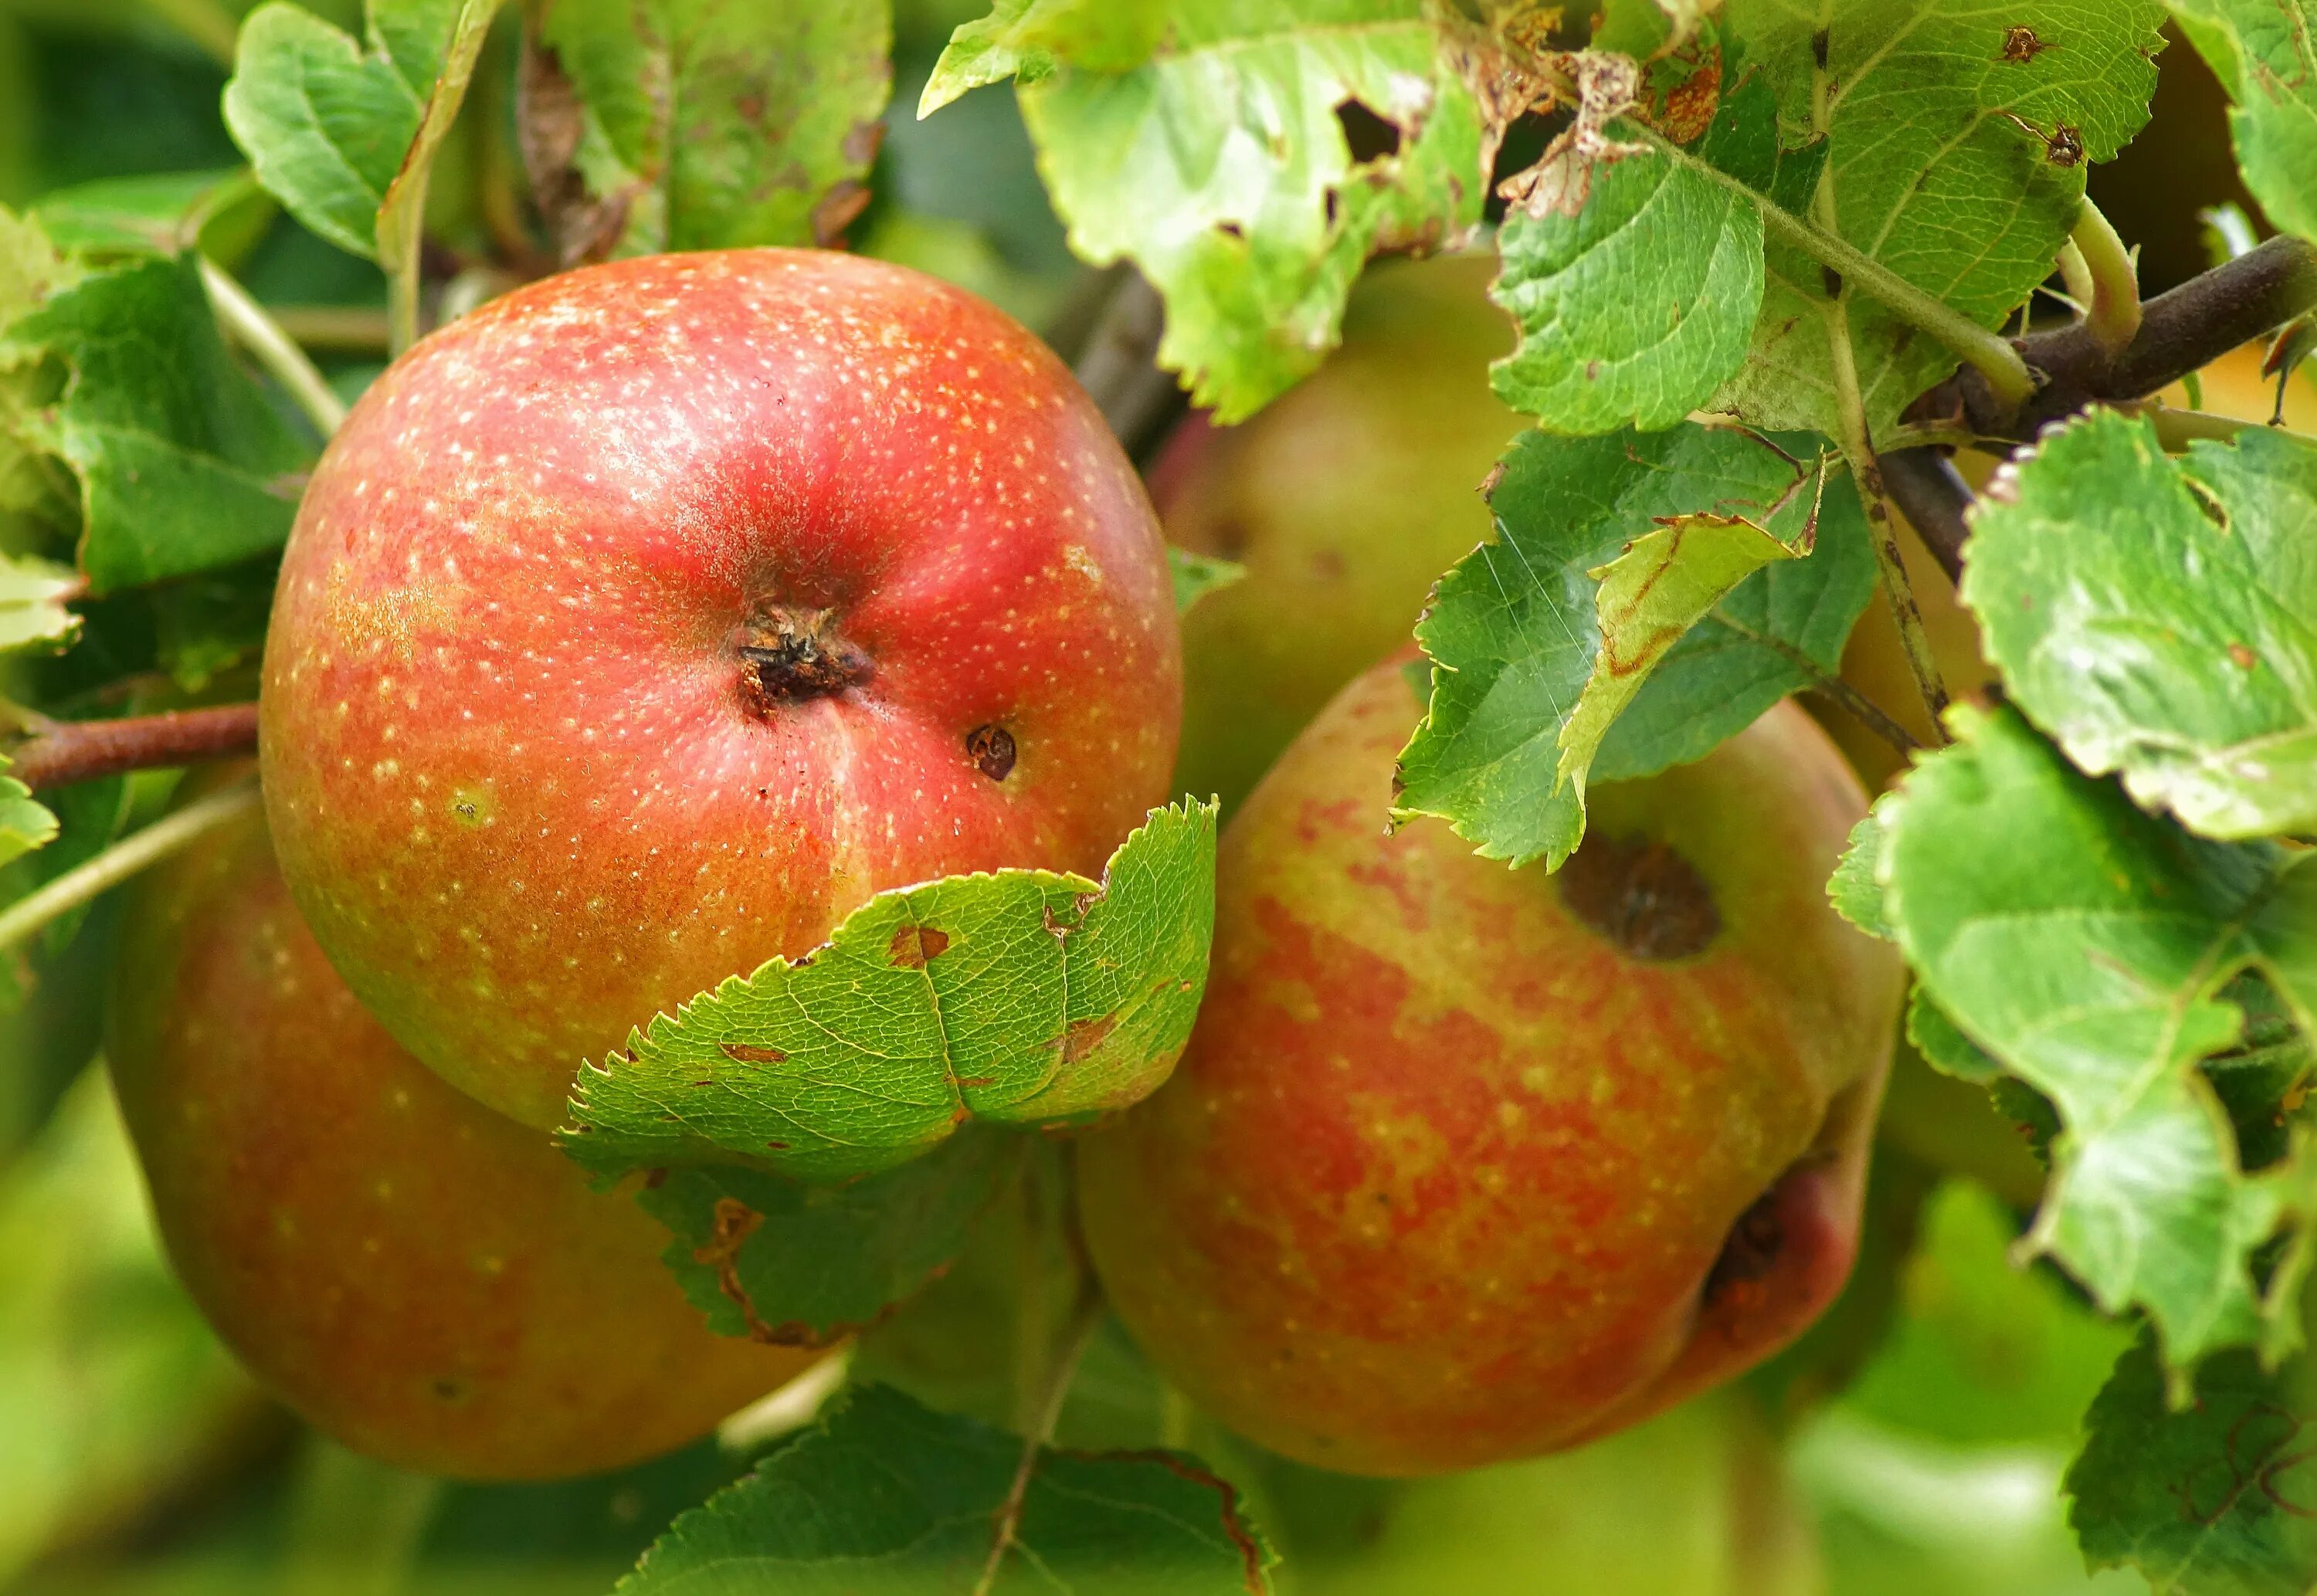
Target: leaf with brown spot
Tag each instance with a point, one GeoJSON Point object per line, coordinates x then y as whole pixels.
{"type": "Point", "coordinates": [1021, 997]}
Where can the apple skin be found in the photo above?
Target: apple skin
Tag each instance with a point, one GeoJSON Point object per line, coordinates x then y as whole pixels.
{"type": "Point", "coordinates": [1449, 1177]}
{"type": "Point", "coordinates": [524, 783]}
{"type": "Point", "coordinates": [1345, 499]}
{"type": "Point", "coordinates": [427, 1282]}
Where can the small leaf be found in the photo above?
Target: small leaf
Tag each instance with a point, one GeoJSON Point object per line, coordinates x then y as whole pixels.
{"type": "Point", "coordinates": [1024, 997]}
{"type": "Point", "coordinates": [2211, 1496]}
{"type": "Point", "coordinates": [797, 1265]}
{"type": "Point", "coordinates": [328, 122]}
{"type": "Point", "coordinates": [1854, 892]}
{"type": "Point", "coordinates": [1635, 309]}
{"type": "Point", "coordinates": [2265, 53]}
{"type": "Point", "coordinates": [2160, 618]}
{"type": "Point", "coordinates": [1198, 575]}
{"type": "Point", "coordinates": [31, 267]}
{"type": "Point", "coordinates": [152, 213]}
{"type": "Point", "coordinates": [1515, 629]}
{"type": "Point", "coordinates": [183, 465]}
{"type": "Point", "coordinates": [1027, 40]}
{"type": "Point", "coordinates": [24, 824]}
{"type": "Point", "coordinates": [1650, 596]}
{"type": "Point", "coordinates": [1223, 164]}
{"type": "Point", "coordinates": [33, 597]}
{"type": "Point", "coordinates": [2085, 945]}
{"type": "Point", "coordinates": [885, 1496]}
{"type": "Point", "coordinates": [693, 124]}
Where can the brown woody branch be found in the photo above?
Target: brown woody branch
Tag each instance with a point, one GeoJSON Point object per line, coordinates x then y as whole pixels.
{"type": "Point", "coordinates": [63, 752]}
{"type": "Point", "coordinates": [2180, 331]}
{"type": "Point", "coordinates": [1933, 496]}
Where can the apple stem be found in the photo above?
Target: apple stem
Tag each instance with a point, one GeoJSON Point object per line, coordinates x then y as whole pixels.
{"type": "Point", "coordinates": [63, 752]}
{"type": "Point", "coordinates": [93, 877]}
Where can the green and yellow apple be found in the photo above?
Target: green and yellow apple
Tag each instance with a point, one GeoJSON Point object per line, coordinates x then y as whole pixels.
{"type": "Point", "coordinates": [1344, 499]}
{"type": "Point", "coordinates": [427, 1282]}
{"type": "Point", "coordinates": [1466, 1163]}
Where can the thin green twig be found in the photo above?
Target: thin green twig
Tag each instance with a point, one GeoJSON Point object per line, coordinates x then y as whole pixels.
{"type": "Point", "coordinates": [93, 877]}
{"type": "Point", "coordinates": [272, 348]}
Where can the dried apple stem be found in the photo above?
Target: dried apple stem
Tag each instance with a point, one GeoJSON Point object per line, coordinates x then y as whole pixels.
{"type": "Point", "coordinates": [88, 880]}
{"type": "Point", "coordinates": [245, 321]}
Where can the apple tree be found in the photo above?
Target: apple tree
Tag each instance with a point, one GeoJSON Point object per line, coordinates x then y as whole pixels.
{"type": "Point", "coordinates": [1115, 755]}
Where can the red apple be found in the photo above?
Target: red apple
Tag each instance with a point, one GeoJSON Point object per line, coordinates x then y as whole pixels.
{"type": "Point", "coordinates": [426, 1280]}
{"type": "Point", "coordinates": [638, 627]}
{"type": "Point", "coordinates": [1466, 1163]}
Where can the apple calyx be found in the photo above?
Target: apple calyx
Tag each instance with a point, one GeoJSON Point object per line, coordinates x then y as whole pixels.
{"type": "Point", "coordinates": [789, 654]}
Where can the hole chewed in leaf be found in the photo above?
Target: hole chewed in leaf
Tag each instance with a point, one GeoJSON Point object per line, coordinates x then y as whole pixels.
{"type": "Point", "coordinates": [1642, 896]}
{"type": "Point", "coordinates": [914, 946]}
{"type": "Point", "coordinates": [1367, 135]}
{"type": "Point", "coordinates": [2021, 45]}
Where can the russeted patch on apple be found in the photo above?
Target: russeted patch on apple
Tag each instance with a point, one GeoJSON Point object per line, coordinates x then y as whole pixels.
{"type": "Point", "coordinates": [638, 627]}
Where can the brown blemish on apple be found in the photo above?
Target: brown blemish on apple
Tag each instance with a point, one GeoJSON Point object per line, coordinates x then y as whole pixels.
{"type": "Point", "coordinates": [1643, 897]}
{"type": "Point", "coordinates": [914, 946]}
{"type": "Point", "coordinates": [1750, 1252]}
{"type": "Point", "coordinates": [790, 654]}
{"type": "Point", "coordinates": [991, 750]}
{"type": "Point", "coordinates": [746, 1054]}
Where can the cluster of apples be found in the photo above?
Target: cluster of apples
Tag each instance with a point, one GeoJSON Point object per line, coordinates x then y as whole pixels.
{"type": "Point", "coordinates": [641, 625]}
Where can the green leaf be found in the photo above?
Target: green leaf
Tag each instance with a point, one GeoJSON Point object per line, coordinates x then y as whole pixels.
{"type": "Point", "coordinates": [2265, 53]}
{"type": "Point", "coordinates": [1636, 308]}
{"type": "Point", "coordinates": [800, 1265]}
{"type": "Point", "coordinates": [24, 825]}
{"type": "Point", "coordinates": [1222, 167]}
{"type": "Point", "coordinates": [183, 465]}
{"type": "Point", "coordinates": [1198, 575]}
{"type": "Point", "coordinates": [32, 268]}
{"type": "Point", "coordinates": [2085, 944]}
{"type": "Point", "coordinates": [1935, 1037]}
{"type": "Point", "coordinates": [887, 1498]}
{"type": "Point", "coordinates": [33, 596]}
{"type": "Point", "coordinates": [1023, 997]}
{"type": "Point", "coordinates": [1666, 582]}
{"type": "Point", "coordinates": [153, 213]}
{"type": "Point", "coordinates": [327, 122]}
{"type": "Point", "coordinates": [1927, 173]}
{"type": "Point", "coordinates": [1514, 628]}
{"type": "Point", "coordinates": [1855, 894]}
{"type": "Point", "coordinates": [1027, 40]}
{"type": "Point", "coordinates": [2160, 618]}
{"type": "Point", "coordinates": [2210, 1497]}
{"type": "Point", "coordinates": [703, 125]}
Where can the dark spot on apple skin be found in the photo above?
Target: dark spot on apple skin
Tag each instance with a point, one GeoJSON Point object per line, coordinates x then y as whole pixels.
{"type": "Point", "coordinates": [991, 750]}
{"type": "Point", "coordinates": [914, 946]}
{"type": "Point", "coordinates": [1641, 896]}
{"type": "Point", "coordinates": [449, 1388]}
{"type": "Point", "coordinates": [1750, 1250]}
{"type": "Point", "coordinates": [748, 1054]}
